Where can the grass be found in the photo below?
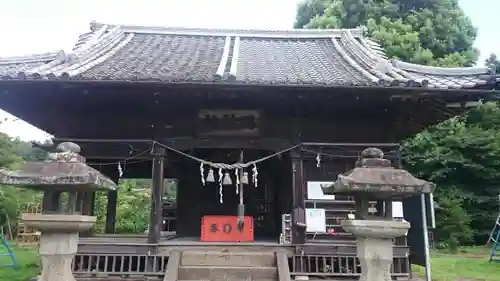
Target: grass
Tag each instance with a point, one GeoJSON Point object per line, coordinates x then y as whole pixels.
{"type": "Point", "coordinates": [469, 264]}
{"type": "Point", "coordinates": [28, 265]}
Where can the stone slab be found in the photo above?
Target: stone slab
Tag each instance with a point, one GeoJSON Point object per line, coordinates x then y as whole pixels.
{"type": "Point", "coordinates": [226, 273]}
{"type": "Point", "coordinates": [243, 259]}
{"type": "Point", "coordinates": [376, 228]}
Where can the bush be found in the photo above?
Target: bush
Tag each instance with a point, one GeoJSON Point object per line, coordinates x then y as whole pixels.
{"type": "Point", "coordinates": [453, 223]}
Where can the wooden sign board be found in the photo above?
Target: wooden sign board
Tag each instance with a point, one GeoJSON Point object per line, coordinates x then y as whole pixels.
{"type": "Point", "coordinates": [214, 122]}
{"type": "Point", "coordinates": [225, 229]}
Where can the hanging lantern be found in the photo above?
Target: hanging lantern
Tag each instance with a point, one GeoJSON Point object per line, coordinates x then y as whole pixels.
{"type": "Point", "coordinates": [210, 176]}
{"type": "Point", "coordinates": [244, 179]}
{"type": "Point", "coordinates": [227, 179]}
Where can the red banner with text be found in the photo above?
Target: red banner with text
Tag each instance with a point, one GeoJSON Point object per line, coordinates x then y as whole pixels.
{"type": "Point", "coordinates": [225, 229]}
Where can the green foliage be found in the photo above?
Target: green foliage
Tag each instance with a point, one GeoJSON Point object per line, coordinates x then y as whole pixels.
{"type": "Point", "coordinates": [133, 206]}
{"type": "Point", "coordinates": [13, 153]}
{"type": "Point", "coordinates": [493, 62]}
{"type": "Point", "coordinates": [462, 156]}
{"type": "Point", "coordinates": [453, 226]}
{"type": "Point", "coordinates": [434, 32]}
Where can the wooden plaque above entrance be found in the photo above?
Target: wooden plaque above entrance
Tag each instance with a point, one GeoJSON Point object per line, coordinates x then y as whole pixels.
{"type": "Point", "coordinates": [214, 122]}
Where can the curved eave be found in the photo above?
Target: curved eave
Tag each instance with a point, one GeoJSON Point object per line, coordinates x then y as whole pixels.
{"type": "Point", "coordinates": [91, 50]}
{"type": "Point", "coordinates": [32, 58]}
{"type": "Point", "coordinates": [367, 56]}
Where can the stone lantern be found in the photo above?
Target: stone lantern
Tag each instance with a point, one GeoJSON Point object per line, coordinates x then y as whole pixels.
{"type": "Point", "coordinates": [64, 171]}
{"type": "Point", "coordinates": [373, 178]}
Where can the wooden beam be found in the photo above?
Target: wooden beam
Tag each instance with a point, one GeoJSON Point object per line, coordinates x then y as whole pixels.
{"type": "Point", "coordinates": [95, 149]}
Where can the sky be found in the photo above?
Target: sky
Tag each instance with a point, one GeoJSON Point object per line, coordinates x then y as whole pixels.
{"type": "Point", "coordinates": [35, 26]}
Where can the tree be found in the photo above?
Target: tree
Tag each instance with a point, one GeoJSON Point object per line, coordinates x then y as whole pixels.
{"type": "Point", "coordinates": [493, 62]}
{"type": "Point", "coordinates": [461, 156]}
{"type": "Point", "coordinates": [12, 199]}
{"type": "Point", "coordinates": [435, 32]}
{"type": "Point", "coordinates": [309, 9]}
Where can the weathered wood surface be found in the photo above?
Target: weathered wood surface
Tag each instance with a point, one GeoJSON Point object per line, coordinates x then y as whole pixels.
{"type": "Point", "coordinates": [116, 244]}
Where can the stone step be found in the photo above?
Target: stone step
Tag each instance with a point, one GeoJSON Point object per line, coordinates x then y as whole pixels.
{"type": "Point", "coordinates": [227, 273]}
{"type": "Point", "coordinates": [241, 259]}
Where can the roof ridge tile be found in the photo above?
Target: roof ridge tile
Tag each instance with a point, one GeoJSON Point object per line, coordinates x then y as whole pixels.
{"type": "Point", "coordinates": [284, 33]}
{"type": "Point", "coordinates": [375, 64]}
{"type": "Point", "coordinates": [354, 64]}
{"type": "Point", "coordinates": [436, 70]}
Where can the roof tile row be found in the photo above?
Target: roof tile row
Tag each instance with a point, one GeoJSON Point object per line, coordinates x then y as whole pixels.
{"type": "Point", "coordinates": [296, 57]}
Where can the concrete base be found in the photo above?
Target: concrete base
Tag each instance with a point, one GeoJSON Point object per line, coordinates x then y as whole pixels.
{"type": "Point", "coordinates": [374, 243]}
{"type": "Point", "coordinates": [58, 242]}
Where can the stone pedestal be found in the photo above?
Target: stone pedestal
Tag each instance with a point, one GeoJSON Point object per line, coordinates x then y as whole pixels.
{"type": "Point", "coordinates": [374, 241]}
{"type": "Point", "coordinates": [58, 242]}
{"type": "Point", "coordinates": [57, 251]}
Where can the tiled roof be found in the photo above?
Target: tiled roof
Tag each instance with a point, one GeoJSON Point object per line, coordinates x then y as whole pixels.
{"type": "Point", "coordinates": [293, 57]}
{"type": "Point", "coordinates": [11, 66]}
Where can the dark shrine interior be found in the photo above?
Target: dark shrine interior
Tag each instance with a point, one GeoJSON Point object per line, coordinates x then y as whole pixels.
{"type": "Point", "coordinates": [265, 203]}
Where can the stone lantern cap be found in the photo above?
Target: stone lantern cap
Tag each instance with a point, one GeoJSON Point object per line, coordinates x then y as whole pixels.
{"type": "Point", "coordinates": [65, 170]}
{"type": "Point", "coordinates": [376, 178]}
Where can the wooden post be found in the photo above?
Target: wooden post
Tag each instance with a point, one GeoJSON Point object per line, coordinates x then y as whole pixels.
{"type": "Point", "coordinates": [111, 212]}
{"type": "Point", "coordinates": [155, 218]}
{"type": "Point", "coordinates": [298, 211]}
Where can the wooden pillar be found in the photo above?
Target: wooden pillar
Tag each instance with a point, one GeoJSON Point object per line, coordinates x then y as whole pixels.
{"type": "Point", "coordinates": [112, 173]}
{"type": "Point", "coordinates": [111, 212]}
{"type": "Point", "coordinates": [298, 211]}
{"type": "Point", "coordinates": [155, 217]}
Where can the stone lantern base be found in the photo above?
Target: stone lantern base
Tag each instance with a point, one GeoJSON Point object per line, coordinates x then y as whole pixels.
{"type": "Point", "coordinates": [374, 241]}
{"type": "Point", "coordinates": [58, 242]}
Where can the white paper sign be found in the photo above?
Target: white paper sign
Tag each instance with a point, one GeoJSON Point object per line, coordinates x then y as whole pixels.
{"type": "Point", "coordinates": [315, 190]}
{"type": "Point", "coordinates": [397, 210]}
{"type": "Point", "coordinates": [315, 220]}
